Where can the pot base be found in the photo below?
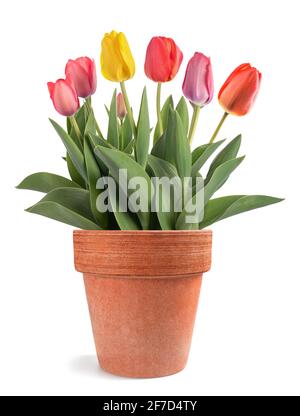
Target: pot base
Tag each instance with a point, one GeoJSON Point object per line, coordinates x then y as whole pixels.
{"type": "Point", "coordinates": [118, 374]}
{"type": "Point", "coordinates": [142, 326]}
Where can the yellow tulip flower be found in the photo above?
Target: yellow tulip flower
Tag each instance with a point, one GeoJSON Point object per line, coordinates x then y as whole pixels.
{"type": "Point", "coordinates": [117, 63]}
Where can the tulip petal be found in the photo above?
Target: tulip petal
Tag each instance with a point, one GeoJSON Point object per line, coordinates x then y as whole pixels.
{"type": "Point", "coordinates": [239, 91]}
{"type": "Point", "coordinates": [64, 97]}
{"type": "Point", "coordinates": [198, 84]}
{"type": "Point", "coordinates": [50, 86]}
{"type": "Point", "coordinates": [125, 53]}
{"type": "Point", "coordinates": [176, 57]}
{"type": "Point", "coordinates": [163, 59]}
{"type": "Point", "coordinates": [79, 77]}
{"type": "Point", "coordinates": [117, 63]}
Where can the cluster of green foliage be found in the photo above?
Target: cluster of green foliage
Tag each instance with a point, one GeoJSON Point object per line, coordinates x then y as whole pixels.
{"type": "Point", "coordinates": [90, 156]}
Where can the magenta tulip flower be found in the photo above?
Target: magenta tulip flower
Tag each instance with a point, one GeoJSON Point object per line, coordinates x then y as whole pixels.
{"type": "Point", "coordinates": [64, 97]}
{"type": "Point", "coordinates": [198, 86]}
{"type": "Point", "coordinates": [82, 73]}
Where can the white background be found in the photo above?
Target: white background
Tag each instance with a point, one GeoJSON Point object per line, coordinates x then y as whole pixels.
{"type": "Point", "coordinates": [246, 338]}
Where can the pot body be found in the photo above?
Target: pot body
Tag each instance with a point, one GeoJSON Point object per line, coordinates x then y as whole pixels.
{"type": "Point", "coordinates": [142, 289]}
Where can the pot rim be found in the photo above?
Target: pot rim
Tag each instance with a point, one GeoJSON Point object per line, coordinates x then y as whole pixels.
{"type": "Point", "coordinates": [206, 231]}
{"type": "Point", "coordinates": [145, 253]}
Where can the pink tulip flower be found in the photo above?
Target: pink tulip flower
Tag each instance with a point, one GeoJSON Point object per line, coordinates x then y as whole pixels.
{"type": "Point", "coordinates": [198, 86]}
{"type": "Point", "coordinates": [82, 73]}
{"type": "Point", "coordinates": [64, 97]}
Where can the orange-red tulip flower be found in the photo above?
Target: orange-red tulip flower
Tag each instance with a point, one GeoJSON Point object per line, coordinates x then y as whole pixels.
{"type": "Point", "coordinates": [239, 91]}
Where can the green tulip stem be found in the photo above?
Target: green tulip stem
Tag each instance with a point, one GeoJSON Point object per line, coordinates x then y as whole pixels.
{"type": "Point", "coordinates": [159, 119]}
{"type": "Point", "coordinates": [88, 102]}
{"type": "Point", "coordinates": [75, 127]}
{"type": "Point", "coordinates": [194, 123]}
{"type": "Point", "coordinates": [128, 108]}
{"type": "Point", "coordinates": [218, 127]}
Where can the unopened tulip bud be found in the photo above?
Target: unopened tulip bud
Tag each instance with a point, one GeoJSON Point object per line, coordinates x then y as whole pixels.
{"type": "Point", "coordinates": [121, 108]}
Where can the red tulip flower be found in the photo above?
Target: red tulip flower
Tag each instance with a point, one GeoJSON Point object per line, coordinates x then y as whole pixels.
{"type": "Point", "coordinates": [64, 97]}
{"type": "Point", "coordinates": [82, 72]}
{"type": "Point", "coordinates": [163, 59]}
{"type": "Point", "coordinates": [239, 91]}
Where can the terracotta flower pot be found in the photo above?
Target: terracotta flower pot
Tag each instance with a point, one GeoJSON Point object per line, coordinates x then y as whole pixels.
{"type": "Point", "coordinates": [142, 289]}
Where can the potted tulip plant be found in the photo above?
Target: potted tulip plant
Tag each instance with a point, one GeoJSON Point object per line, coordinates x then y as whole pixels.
{"type": "Point", "coordinates": [143, 243]}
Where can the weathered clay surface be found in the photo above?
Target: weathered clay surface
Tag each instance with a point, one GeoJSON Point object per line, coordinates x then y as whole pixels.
{"type": "Point", "coordinates": [142, 290]}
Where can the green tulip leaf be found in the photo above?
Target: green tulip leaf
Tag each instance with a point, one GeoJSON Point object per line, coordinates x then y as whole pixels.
{"type": "Point", "coordinates": [116, 160]}
{"type": "Point", "coordinates": [67, 205]}
{"type": "Point", "coordinates": [125, 220]}
{"type": "Point", "coordinates": [94, 173]}
{"type": "Point", "coordinates": [229, 152]}
{"type": "Point", "coordinates": [74, 175]}
{"type": "Point", "coordinates": [164, 117]}
{"type": "Point", "coordinates": [113, 128]}
{"type": "Point", "coordinates": [129, 148]}
{"type": "Point", "coordinates": [90, 127]}
{"type": "Point", "coordinates": [166, 198]}
{"type": "Point", "coordinates": [159, 148]}
{"type": "Point", "coordinates": [220, 208]}
{"type": "Point", "coordinates": [143, 132]}
{"type": "Point", "coordinates": [74, 152]}
{"type": "Point", "coordinates": [99, 141]}
{"type": "Point", "coordinates": [45, 182]}
{"type": "Point", "coordinates": [96, 140]}
{"type": "Point", "coordinates": [201, 154]}
{"type": "Point", "coordinates": [177, 148]}
{"type": "Point", "coordinates": [183, 111]}
{"type": "Point", "coordinates": [81, 118]}
{"type": "Point", "coordinates": [220, 176]}
{"type": "Point", "coordinates": [126, 133]}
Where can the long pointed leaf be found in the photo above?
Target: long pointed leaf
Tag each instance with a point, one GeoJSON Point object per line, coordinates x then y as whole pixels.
{"type": "Point", "coordinates": [67, 205]}
{"type": "Point", "coordinates": [164, 117]}
{"type": "Point", "coordinates": [219, 176]}
{"type": "Point", "coordinates": [201, 154]}
{"type": "Point", "coordinates": [143, 132]}
{"type": "Point", "coordinates": [45, 182]}
{"type": "Point", "coordinates": [177, 150]}
{"type": "Point", "coordinates": [74, 152]}
{"type": "Point", "coordinates": [73, 172]}
{"type": "Point", "coordinates": [113, 129]}
{"type": "Point", "coordinates": [126, 133]}
{"type": "Point", "coordinates": [94, 174]}
{"type": "Point", "coordinates": [183, 111]}
{"type": "Point", "coordinates": [166, 198]}
{"type": "Point", "coordinates": [229, 152]}
{"type": "Point", "coordinates": [220, 208]}
{"type": "Point", "coordinates": [159, 148]}
{"type": "Point", "coordinates": [90, 127]}
{"type": "Point", "coordinates": [99, 141]}
{"type": "Point", "coordinates": [125, 220]}
{"type": "Point", "coordinates": [116, 160]}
